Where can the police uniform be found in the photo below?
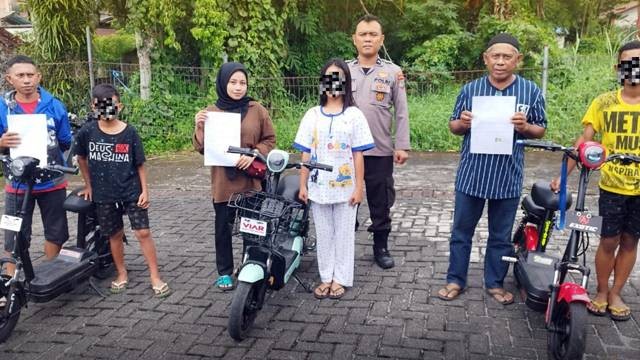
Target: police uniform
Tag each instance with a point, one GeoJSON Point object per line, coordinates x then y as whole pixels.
{"type": "Point", "coordinates": [379, 93]}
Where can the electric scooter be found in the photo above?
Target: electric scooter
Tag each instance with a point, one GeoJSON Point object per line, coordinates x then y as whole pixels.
{"type": "Point", "coordinates": [46, 280]}
{"type": "Point", "coordinates": [542, 278]}
{"type": "Point", "coordinates": [274, 225]}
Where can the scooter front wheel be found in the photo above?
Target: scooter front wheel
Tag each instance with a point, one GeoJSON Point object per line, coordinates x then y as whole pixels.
{"type": "Point", "coordinates": [244, 309]}
{"type": "Point", "coordinates": [8, 322]}
{"type": "Point", "coordinates": [566, 339]}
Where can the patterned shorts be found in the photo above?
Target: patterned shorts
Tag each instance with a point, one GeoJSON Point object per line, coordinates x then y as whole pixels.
{"type": "Point", "coordinates": [110, 216]}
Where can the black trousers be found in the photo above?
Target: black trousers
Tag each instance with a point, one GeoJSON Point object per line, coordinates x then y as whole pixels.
{"type": "Point", "coordinates": [224, 218]}
{"type": "Point", "coordinates": [378, 177]}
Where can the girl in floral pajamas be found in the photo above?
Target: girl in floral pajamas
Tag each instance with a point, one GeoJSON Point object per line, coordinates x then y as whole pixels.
{"type": "Point", "coordinates": [334, 133]}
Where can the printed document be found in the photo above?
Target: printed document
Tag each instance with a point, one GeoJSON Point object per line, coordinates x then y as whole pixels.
{"type": "Point", "coordinates": [221, 130]}
{"type": "Point", "coordinates": [491, 128]}
{"type": "Point", "coordinates": [34, 136]}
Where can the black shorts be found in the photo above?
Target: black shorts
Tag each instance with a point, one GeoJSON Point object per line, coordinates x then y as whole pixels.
{"type": "Point", "coordinates": [54, 217]}
{"type": "Point", "coordinates": [110, 217]}
{"type": "Point", "coordinates": [620, 213]}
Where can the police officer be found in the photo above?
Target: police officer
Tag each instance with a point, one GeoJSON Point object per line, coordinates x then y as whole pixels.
{"type": "Point", "coordinates": [379, 91]}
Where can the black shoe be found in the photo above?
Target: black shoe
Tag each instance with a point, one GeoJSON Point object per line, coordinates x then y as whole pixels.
{"type": "Point", "coordinates": [383, 258]}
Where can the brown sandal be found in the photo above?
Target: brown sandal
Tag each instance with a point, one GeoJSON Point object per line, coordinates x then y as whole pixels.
{"type": "Point", "coordinates": [337, 293]}
{"type": "Point", "coordinates": [501, 295]}
{"type": "Point", "coordinates": [451, 292]}
{"type": "Point", "coordinates": [322, 291]}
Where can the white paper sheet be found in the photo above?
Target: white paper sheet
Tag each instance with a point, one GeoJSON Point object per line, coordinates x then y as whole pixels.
{"type": "Point", "coordinates": [221, 130]}
{"type": "Point", "coordinates": [491, 128]}
{"type": "Point", "coordinates": [34, 136]}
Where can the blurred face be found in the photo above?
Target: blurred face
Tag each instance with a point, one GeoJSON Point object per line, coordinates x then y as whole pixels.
{"type": "Point", "coordinates": [107, 109]}
{"type": "Point", "coordinates": [368, 38]}
{"type": "Point", "coordinates": [501, 61]}
{"type": "Point", "coordinates": [629, 68]}
{"type": "Point", "coordinates": [237, 85]}
{"type": "Point", "coordinates": [24, 78]}
{"type": "Point", "coordinates": [332, 82]}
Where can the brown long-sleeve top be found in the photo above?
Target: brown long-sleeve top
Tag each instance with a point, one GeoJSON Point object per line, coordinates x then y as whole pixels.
{"type": "Point", "coordinates": [256, 132]}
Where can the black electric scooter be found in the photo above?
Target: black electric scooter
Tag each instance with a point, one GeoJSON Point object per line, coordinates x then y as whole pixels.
{"type": "Point", "coordinates": [542, 278]}
{"type": "Point", "coordinates": [48, 279]}
{"type": "Point", "coordinates": [274, 225]}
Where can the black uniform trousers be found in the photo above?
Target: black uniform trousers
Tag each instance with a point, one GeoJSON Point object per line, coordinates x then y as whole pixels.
{"type": "Point", "coordinates": [378, 177]}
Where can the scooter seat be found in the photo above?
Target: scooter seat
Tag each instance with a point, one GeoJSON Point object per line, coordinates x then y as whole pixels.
{"type": "Point", "coordinates": [288, 187]}
{"type": "Point", "coordinates": [543, 196]}
{"type": "Point", "coordinates": [531, 208]}
{"type": "Point", "coordinates": [76, 203]}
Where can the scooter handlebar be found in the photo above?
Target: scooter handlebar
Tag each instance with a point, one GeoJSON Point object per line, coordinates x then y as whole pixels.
{"type": "Point", "coordinates": [315, 165]}
{"type": "Point", "coordinates": [246, 152]}
{"type": "Point", "coordinates": [545, 145]}
{"type": "Point", "coordinates": [624, 158]}
{"type": "Point", "coordinates": [64, 169]}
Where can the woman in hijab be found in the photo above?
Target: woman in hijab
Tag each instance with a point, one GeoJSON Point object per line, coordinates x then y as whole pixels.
{"type": "Point", "coordinates": [256, 132]}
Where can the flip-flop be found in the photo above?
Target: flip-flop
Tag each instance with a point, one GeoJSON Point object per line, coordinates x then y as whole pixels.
{"type": "Point", "coordinates": [337, 293]}
{"type": "Point", "coordinates": [619, 313]}
{"type": "Point", "coordinates": [597, 308]}
{"type": "Point", "coordinates": [501, 292]}
{"type": "Point", "coordinates": [118, 287]}
{"type": "Point", "coordinates": [322, 291]}
{"type": "Point", "coordinates": [162, 290]}
{"type": "Point", "coordinates": [452, 291]}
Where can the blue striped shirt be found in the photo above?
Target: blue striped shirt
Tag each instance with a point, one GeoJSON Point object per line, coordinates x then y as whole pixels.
{"type": "Point", "coordinates": [496, 176]}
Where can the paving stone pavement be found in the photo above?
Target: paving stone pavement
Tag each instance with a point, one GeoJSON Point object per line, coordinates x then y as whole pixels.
{"type": "Point", "coordinates": [387, 314]}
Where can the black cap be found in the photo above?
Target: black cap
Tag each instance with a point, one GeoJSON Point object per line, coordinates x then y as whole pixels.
{"type": "Point", "coordinates": [504, 38]}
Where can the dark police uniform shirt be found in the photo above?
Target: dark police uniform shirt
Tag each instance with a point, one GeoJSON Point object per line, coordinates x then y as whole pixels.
{"type": "Point", "coordinates": [113, 162]}
{"type": "Point", "coordinates": [496, 176]}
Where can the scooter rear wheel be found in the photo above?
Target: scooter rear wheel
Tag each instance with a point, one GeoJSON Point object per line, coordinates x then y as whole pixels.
{"type": "Point", "coordinates": [244, 309]}
{"type": "Point", "coordinates": [567, 341]}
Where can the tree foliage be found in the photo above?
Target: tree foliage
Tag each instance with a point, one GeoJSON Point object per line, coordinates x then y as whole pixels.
{"type": "Point", "coordinates": [59, 27]}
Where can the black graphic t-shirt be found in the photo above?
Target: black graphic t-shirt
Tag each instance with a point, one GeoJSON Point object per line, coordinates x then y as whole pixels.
{"type": "Point", "coordinates": [113, 162]}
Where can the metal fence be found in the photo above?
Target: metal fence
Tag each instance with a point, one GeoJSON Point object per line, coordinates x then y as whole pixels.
{"type": "Point", "coordinates": [198, 82]}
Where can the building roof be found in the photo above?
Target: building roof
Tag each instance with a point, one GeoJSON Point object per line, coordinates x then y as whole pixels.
{"type": "Point", "coordinates": [8, 40]}
{"type": "Point", "coordinates": [14, 18]}
{"type": "Point", "coordinates": [625, 7]}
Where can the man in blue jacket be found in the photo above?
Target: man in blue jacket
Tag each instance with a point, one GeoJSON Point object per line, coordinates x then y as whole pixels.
{"type": "Point", "coordinates": [50, 188]}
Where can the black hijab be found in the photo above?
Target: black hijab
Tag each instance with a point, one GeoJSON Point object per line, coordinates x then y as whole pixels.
{"type": "Point", "coordinates": [225, 102]}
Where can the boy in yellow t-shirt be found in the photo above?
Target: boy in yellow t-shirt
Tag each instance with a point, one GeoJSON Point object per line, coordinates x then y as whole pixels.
{"type": "Point", "coordinates": [616, 117]}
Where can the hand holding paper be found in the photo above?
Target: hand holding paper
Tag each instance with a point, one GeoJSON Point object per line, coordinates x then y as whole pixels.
{"type": "Point", "coordinates": [10, 140]}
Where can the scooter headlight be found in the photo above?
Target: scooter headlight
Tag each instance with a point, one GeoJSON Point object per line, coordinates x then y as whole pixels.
{"type": "Point", "coordinates": [277, 160]}
{"type": "Point", "coordinates": [592, 154]}
{"type": "Point", "coordinates": [17, 167]}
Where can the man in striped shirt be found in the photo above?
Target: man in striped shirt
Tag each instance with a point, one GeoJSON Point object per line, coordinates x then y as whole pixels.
{"type": "Point", "coordinates": [492, 178]}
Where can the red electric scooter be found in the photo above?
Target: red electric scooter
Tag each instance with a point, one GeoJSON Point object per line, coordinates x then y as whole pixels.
{"type": "Point", "coordinates": [542, 278]}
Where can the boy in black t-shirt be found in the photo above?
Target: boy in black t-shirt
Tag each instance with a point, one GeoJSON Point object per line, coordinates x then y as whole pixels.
{"type": "Point", "coordinates": [111, 158]}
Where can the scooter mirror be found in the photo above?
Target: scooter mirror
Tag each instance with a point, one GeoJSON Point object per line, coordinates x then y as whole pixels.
{"type": "Point", "coordinates": [277, 160]}
{"type": "Point", "coordinates": [592, 154]}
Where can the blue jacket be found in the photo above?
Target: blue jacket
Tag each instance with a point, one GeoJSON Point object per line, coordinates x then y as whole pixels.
{"type": "Point", "coordinates": [59, 135]}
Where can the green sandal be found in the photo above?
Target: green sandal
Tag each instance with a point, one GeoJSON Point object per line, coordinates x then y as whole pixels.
{"type": "Point", "coordinates": [225, 283]}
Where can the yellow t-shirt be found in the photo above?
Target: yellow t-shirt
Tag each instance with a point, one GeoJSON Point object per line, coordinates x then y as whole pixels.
{"type": "Point", "coordinates": [619, 125]}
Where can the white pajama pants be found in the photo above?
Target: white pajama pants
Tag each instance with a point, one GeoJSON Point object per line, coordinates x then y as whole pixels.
{"type": "Point", "coordinates": [335, 241]}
